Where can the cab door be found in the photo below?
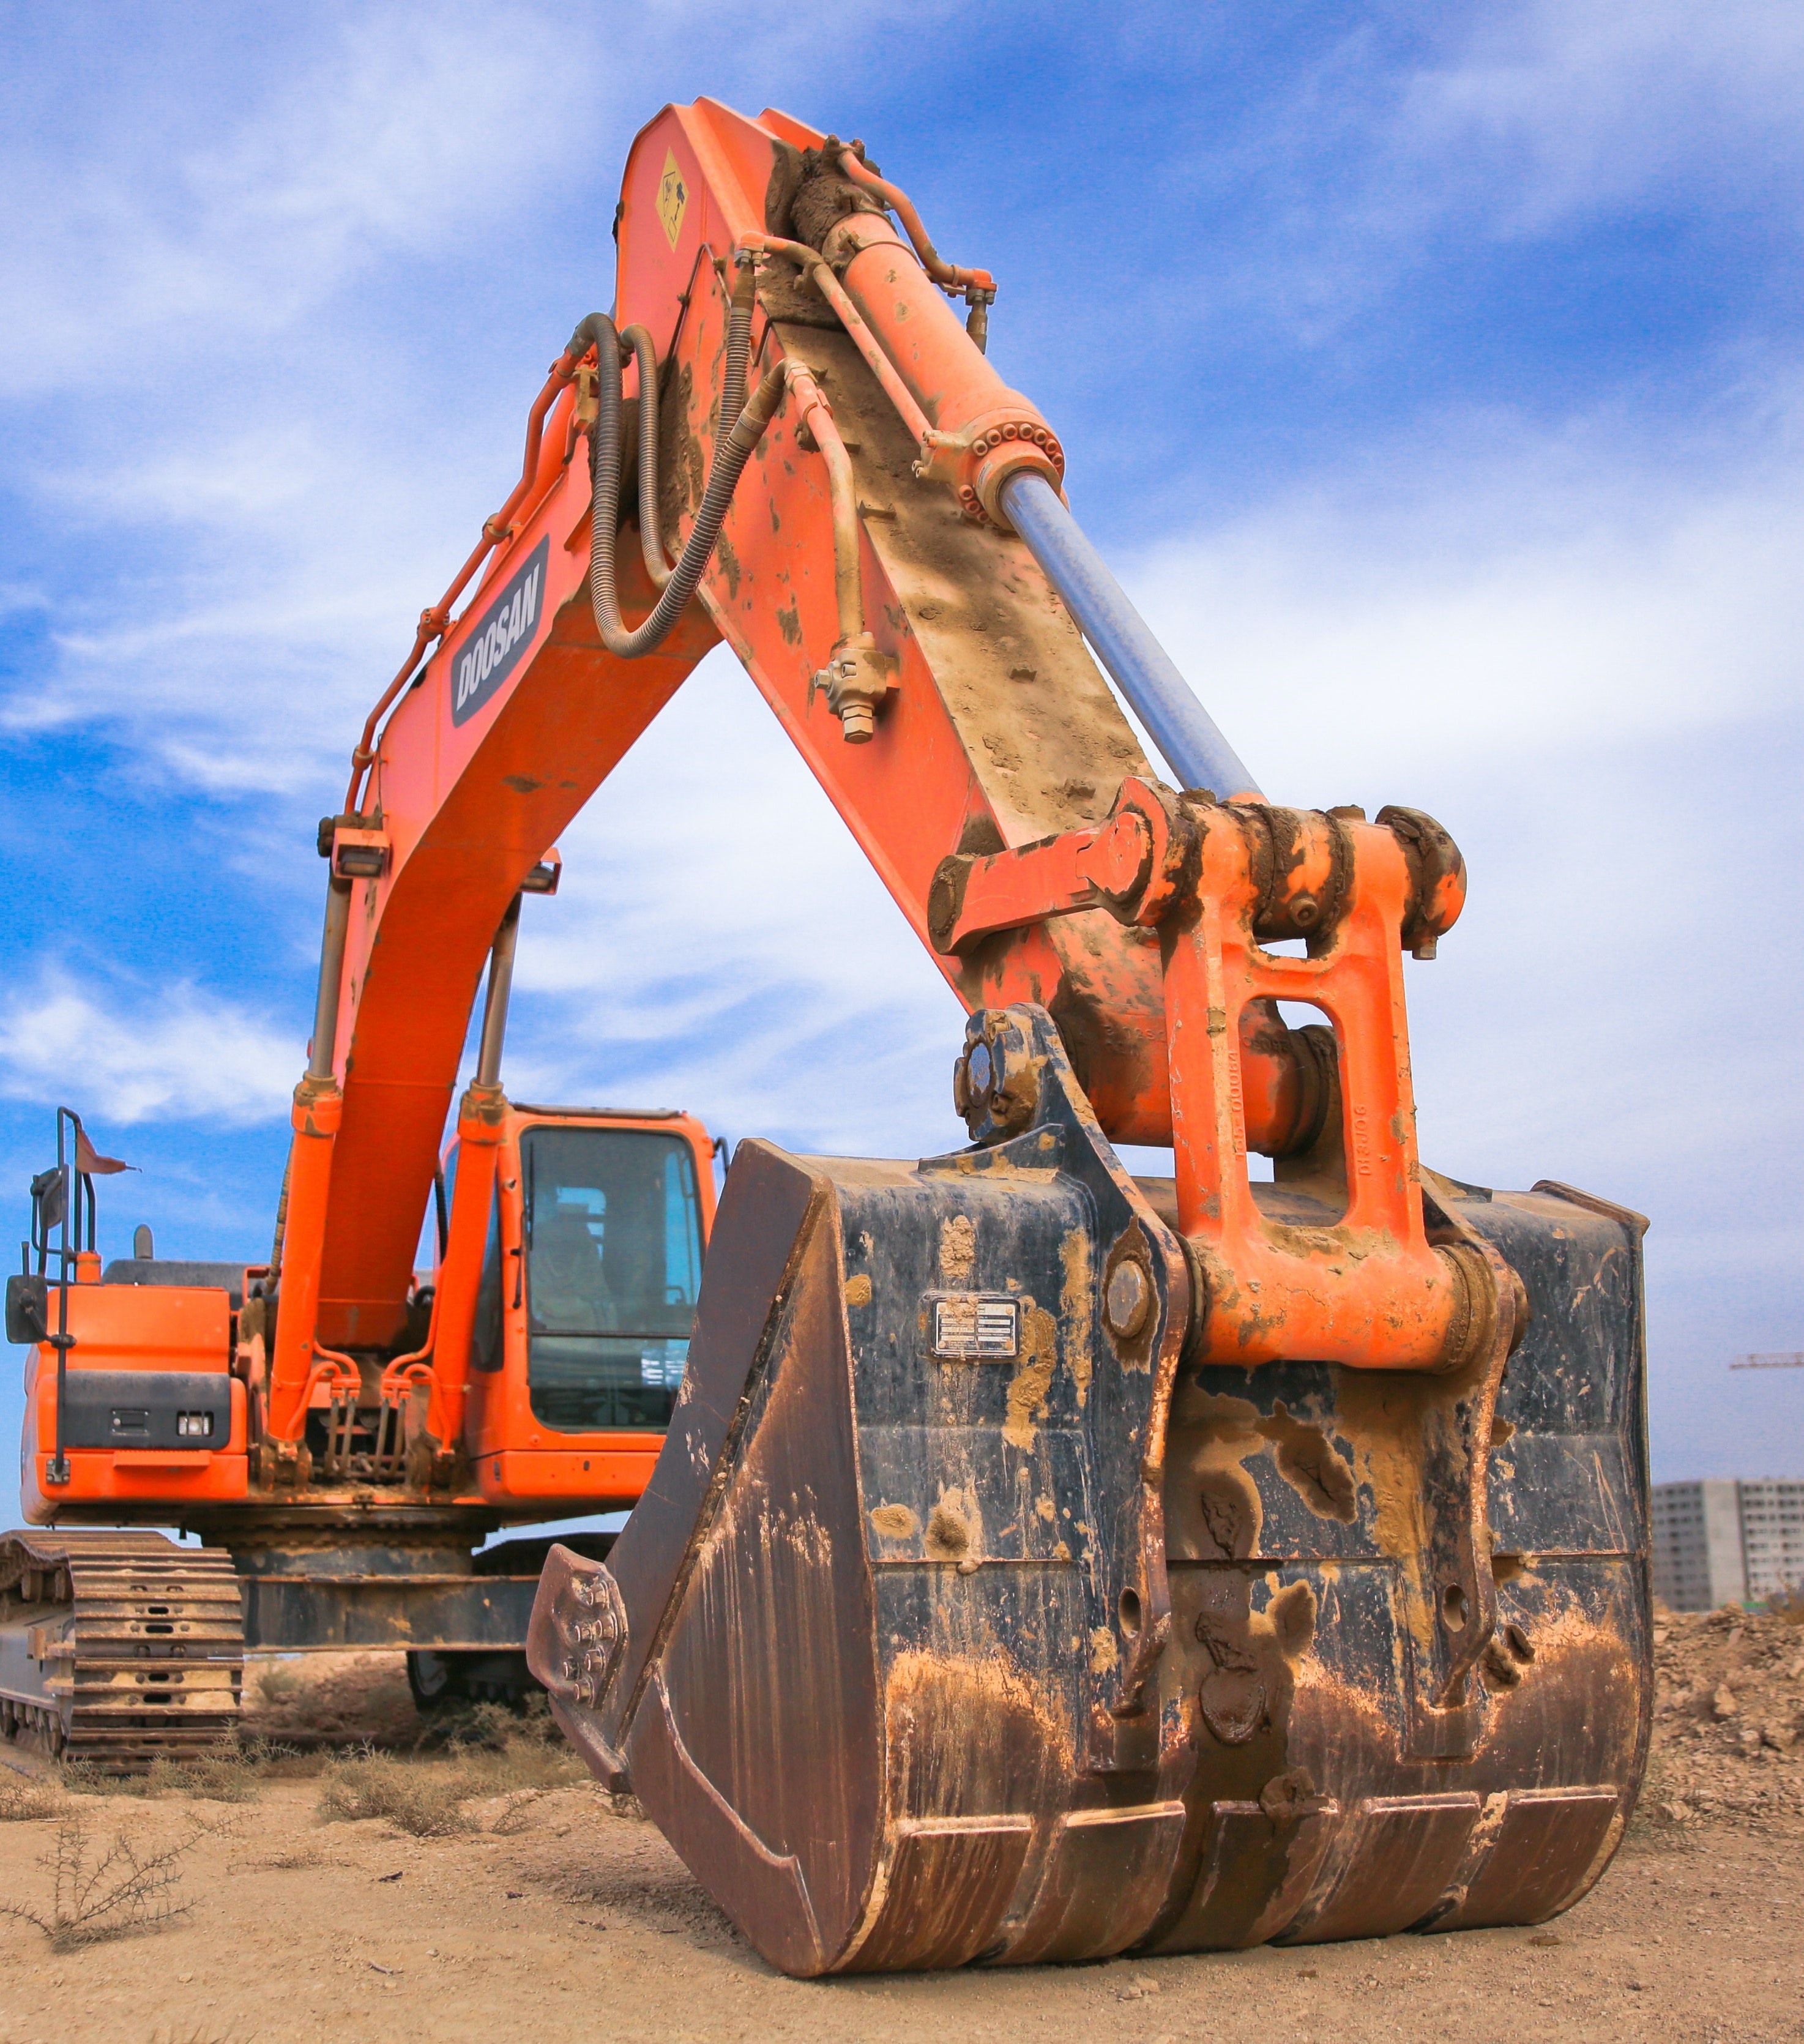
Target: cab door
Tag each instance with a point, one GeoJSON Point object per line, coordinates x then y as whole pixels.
{"type": "Point", "coordinates": [589, 1293]}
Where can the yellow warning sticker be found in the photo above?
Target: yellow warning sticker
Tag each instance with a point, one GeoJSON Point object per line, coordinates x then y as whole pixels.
{"type": "Point", "coordinates": [673, 198]}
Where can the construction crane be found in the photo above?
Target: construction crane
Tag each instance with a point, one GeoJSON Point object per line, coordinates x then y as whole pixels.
{"type": "Point", "coordinates": [1041, 1561]}
{"type": "Point", "coordinates": [1791, 1361]}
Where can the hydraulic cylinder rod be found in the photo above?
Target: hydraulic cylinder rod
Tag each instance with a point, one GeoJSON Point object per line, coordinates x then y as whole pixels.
{"type": "Point", "coordinates": [479, 1122]}
{"type": "Point", "coordinates": [1193, 742]}
{"type": "Point", "coordinates": [318, 1106]}
{"type": "Point", "coordinates": [501, 988]}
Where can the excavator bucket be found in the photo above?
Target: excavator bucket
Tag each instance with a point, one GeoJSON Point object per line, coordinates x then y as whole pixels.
{"type": "Point", "coordinates": [964, 1619]}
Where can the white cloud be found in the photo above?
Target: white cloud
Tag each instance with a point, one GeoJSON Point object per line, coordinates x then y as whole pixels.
{"type": "Point", "coordinates": [173, 196]}
{"type": "Point", "coordinates": [305, 456]}
{"type": "Point", "coordinates": [1581, 651]}
{"type": "Point", "coordinates": [398, 130]}
{"type": "Point", "coordinates": [1402, 145]}
{"type": "Point", "coordinates": [125, 1054]}
{"type": "Point", "coordinates": [1481, 591]}
{"type": "Point", "coordinates": [1557, 108]}
{"type": "Point", "coordinates": [268, 584]}
{"type": "Point", "coordinates": [719, 939]}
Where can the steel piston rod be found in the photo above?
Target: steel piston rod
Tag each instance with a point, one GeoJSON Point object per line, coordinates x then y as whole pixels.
{"type": "Point", "coordinates": [501, 987]}
{"type": "Point", "coordinates": [1192, 741]}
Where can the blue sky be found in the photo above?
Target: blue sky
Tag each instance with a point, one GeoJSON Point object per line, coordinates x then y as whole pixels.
{"type": "Point", "coordinates": [1434, 375]}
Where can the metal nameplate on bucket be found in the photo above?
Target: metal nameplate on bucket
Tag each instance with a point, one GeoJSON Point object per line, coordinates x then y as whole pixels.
{"type": "Point", "coordinates": [969, 1328]}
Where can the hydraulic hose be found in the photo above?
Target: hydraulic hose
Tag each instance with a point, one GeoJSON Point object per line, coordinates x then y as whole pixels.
{"type": "Point", "coordinates": [730, 455]}
{"type": "Point", "coordinates": [650, 535]}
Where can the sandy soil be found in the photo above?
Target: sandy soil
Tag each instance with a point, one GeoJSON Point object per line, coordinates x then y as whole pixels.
{"type": "Point", "coordinates": [574, 1920]}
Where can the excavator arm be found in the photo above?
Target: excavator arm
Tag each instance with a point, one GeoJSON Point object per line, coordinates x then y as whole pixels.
{"type": "Point", "coordinates": [1042, 1561]}
{"type": "Point", "coordinates": [988, 726]}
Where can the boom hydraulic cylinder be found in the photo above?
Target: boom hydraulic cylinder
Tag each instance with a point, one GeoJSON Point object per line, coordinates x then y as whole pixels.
{"type": "Point", "coordinates": [318, 1106]}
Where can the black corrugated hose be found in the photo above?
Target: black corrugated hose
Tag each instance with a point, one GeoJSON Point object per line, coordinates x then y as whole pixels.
{"type": "Point", "coordinates": [651, 534]}
{"type": "Point", "coordinates": [731, 452]}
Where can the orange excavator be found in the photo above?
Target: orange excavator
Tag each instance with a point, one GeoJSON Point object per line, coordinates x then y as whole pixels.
{"type": "Point", "coordinates": [1030, 1560]}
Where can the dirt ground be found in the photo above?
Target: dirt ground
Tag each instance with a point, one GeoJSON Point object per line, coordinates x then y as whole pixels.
{"type": "Point", "coordinates": [546, 1912]}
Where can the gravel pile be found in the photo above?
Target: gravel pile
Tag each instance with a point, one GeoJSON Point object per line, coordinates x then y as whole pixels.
{"type": "Point", "coordinates": [1729, 1717]}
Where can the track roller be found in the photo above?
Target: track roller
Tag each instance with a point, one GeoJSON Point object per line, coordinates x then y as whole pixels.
{"type": "Point", "coordinates": [118, 1648]}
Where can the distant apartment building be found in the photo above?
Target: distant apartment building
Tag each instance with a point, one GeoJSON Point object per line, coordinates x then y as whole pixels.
{"type": "Point", "coordinates": [1723, 1541]}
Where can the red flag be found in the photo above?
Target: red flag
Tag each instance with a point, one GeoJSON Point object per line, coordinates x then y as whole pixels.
{"type": "Point", "coordinates": [88, 1160]}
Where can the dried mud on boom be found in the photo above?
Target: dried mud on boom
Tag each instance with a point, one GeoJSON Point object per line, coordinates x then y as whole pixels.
{"type": "Point", "coordinates": [964, 1619]}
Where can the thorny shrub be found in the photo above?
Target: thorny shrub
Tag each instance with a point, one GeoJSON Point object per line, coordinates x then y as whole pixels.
{"type": "Point", "coordinates": [114, 1890]}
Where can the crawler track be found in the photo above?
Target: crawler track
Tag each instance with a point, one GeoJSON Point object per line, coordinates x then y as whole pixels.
{"type": "Point", "coordinates": [116, 1648]}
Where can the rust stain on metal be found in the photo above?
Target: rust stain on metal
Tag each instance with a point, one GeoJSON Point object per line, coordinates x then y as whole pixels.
{"type": "Point", "coordinates": [1216, 1516]}
{"type": "Point", "coordinates": [1074, 1305]}
{"type": "Point", "coordinates": [1291, 1612]}
{"type": "Point", "coordinates": [957, 1250]}
{"type": "Point", "coordinates": [1399, 1421]}
{"type": "Point", "coordinates": [953, 1527]}
{"type": "Point", "coordinates": [894, 1522]}
{"type": "Point", "coordinates": [1032, 1379]}
{"type": "Point", "coordinates": [1311, 1465]}
{"type": "Point", "coordinates": [967, 1730]}
{"type": "Point", "coordinates": [729, 562]}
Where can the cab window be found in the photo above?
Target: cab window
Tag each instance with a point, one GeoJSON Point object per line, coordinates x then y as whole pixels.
{"type": "Point", "coordinates": [613, 1269]}
{"type": "Point", "coordinates": [489, 1347]}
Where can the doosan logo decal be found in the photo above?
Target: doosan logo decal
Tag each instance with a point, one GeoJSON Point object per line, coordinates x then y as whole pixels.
{"type": "Point", "coordinates": [502, 636]}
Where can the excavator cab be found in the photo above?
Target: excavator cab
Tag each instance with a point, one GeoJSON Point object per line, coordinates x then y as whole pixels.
{"type": "Point", "coordinates": [147, 1400]}
{"type": "Point", "coordinates": [589, 1279]}
{"type": "Point", "coordinates": [148, 1378]}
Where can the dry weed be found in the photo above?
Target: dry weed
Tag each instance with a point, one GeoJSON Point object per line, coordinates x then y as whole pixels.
{"type": "Point", "coordinates": [507, 1752]}
{"type": "Point", "coordinates": [278, 1685]}
{"type": "Point", "coordinates": [113, 1891]}
{"type": "Point", "coordinates": [511, 1818]}
{"type": "Point", "coordinates": [226, 1775]}
{"type": "Point", "coordinates": [24, 1798]}
{"type": "Point", "coordinates": [289, 1860]}
{"type": "Point", "coordinates": [424, 1799]}
{"type": "Point", "coordinates": [229, 1772]}
{"type": "Point", "coordinates": [487, 1751]}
